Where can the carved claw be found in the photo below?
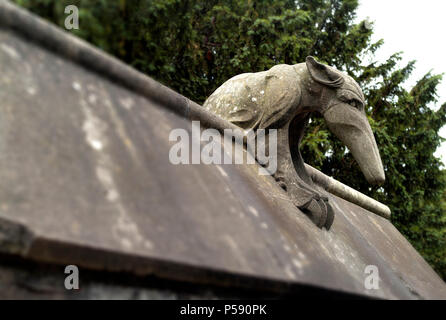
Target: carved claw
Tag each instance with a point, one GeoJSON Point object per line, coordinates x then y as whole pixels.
{"type": "Point", "coordinates": [314, 205]}
{"type": "Point", "coordinates": [320, 212]}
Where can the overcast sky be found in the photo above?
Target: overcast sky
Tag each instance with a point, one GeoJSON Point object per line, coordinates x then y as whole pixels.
{"type": "Point", "coordinates": [418, 28]}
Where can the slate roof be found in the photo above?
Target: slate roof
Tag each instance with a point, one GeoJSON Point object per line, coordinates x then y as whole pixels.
{"type": "Point", "coordinates": [85, 180]}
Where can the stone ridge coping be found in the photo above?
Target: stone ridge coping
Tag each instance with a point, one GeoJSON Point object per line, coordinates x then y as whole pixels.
{"type": "Point", "coordinates": [345, 192]}
{"type": "Point", "coordinates": [81, 52]}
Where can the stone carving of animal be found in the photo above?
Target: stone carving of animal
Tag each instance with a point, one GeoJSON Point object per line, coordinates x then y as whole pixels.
{"type": "Point", "coordinates": [283, 98]}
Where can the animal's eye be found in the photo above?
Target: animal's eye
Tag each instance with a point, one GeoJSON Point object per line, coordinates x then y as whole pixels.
{"type": "Point", "coordinates": [354, 104]}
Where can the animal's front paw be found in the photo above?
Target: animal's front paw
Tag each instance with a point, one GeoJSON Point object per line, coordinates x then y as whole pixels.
{"type": "Point", "coordinates": [306, 198]}
{"type": "Point", "coordinates": [319, 211]}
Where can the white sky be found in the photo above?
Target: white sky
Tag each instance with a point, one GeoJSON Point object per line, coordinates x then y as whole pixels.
{"type": "Point", "coordinates": [418, 28]}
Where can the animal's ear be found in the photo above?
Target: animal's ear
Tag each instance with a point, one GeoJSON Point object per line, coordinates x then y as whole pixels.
{"type": "Point", "coordinates": [324, 74]}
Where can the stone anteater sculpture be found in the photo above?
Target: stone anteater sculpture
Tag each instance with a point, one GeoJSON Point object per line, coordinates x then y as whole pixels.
{"type": "Point", "coordinates": [282, 98]}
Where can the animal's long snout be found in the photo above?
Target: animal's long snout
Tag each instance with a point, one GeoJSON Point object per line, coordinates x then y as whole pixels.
{"type": "Point", "coordinates": [353, 129]}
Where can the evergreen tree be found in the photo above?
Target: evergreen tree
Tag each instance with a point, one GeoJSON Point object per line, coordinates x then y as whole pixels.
{"type": "Point", "coordinates": [194, 46]}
